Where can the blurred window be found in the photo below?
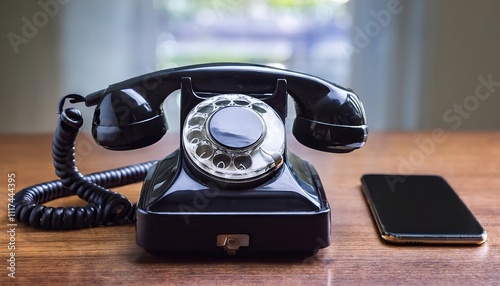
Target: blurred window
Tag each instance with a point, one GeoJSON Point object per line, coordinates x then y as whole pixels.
{"type": "Point", "coordinates": [307, 36]}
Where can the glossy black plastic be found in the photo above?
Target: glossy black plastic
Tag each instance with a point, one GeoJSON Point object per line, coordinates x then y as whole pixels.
{"type": "Point", "coordinates": [420, 209]}
{"type": "Point", "coordinates": [329, 117]}
{"type": "Point", "coordinates": [126, 120]}
{"type": "Point", "coordinates": [180, 207]}
{"type": "Point", "coordinates": [288, 213]}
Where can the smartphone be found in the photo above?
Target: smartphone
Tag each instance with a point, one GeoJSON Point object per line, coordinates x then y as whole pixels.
{"type": "Point", "coordinates": [420, 209]}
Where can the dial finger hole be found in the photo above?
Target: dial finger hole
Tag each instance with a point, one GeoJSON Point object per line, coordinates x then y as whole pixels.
{"type": "Point", "coordinates": [206, 109]}
{"type": "Point", "coordinates": [223, 102]}
{"type": "Point", "coordinates": [222, 161]}
{"type": "Point", "coordinates": [204, 151]}
{"type": "Point", "coordinates": [196, 121]}
{"type": "Point", "coordinates": [194, 136]}
{"type": "Point", "coordinates": [241, 102]}
{"type": "Point", "coordinates": [243, 162]}
{"type": "Point", "coordinates": [258, 107]}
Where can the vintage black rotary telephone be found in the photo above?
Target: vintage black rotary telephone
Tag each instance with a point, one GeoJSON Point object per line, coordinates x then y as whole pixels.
{"type": "Point", "coordinates": [232, 184]}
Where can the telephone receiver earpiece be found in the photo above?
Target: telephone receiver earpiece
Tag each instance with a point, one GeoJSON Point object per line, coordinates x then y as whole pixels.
{"type": "Point", "coordinates": [126, 119]}
{"type": "Point", "coordinates": [129, 114]}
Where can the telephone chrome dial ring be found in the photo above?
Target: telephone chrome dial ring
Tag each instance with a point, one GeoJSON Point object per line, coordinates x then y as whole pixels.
{"type": "Point", "coordinates": [234, 137]}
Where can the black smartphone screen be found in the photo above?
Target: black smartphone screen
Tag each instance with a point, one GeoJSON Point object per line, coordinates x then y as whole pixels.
{"type": "Point", "coordinates": [419, 208]}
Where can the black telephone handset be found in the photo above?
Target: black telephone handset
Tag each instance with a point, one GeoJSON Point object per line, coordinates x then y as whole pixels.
{"type": "Point", "coordinates": [231, 185]}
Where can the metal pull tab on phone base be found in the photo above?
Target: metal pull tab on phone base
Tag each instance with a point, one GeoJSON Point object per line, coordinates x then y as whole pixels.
{"type": "Point", "coordinates": [233, 242]}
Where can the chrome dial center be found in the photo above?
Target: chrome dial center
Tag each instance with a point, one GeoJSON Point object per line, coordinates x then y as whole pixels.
{"type": "Point", "coordinates": [236, 127]}
{"type": "Point", "coordinates": [234, 138]}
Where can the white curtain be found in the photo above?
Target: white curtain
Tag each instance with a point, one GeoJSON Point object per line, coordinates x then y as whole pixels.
{"type": "Point", "coordinates": [392, 47]}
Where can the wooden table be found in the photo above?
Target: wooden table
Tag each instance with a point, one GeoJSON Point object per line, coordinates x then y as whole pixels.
{"type": "Point", "coordinates": [109, 255]}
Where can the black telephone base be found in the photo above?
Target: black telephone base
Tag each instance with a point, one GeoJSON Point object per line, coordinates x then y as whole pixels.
{"type": "Point", "coordinates": [298, 233]}
{"type": "Point", "coordinates": [175, 213]}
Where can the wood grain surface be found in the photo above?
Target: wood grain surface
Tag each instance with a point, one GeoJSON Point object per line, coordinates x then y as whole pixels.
{"type": "Point", "coordinates": [108, 255]}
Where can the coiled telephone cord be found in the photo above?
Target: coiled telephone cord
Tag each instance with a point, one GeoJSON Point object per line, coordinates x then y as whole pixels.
{"type": "Point", "coordinates": [105, 206]}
